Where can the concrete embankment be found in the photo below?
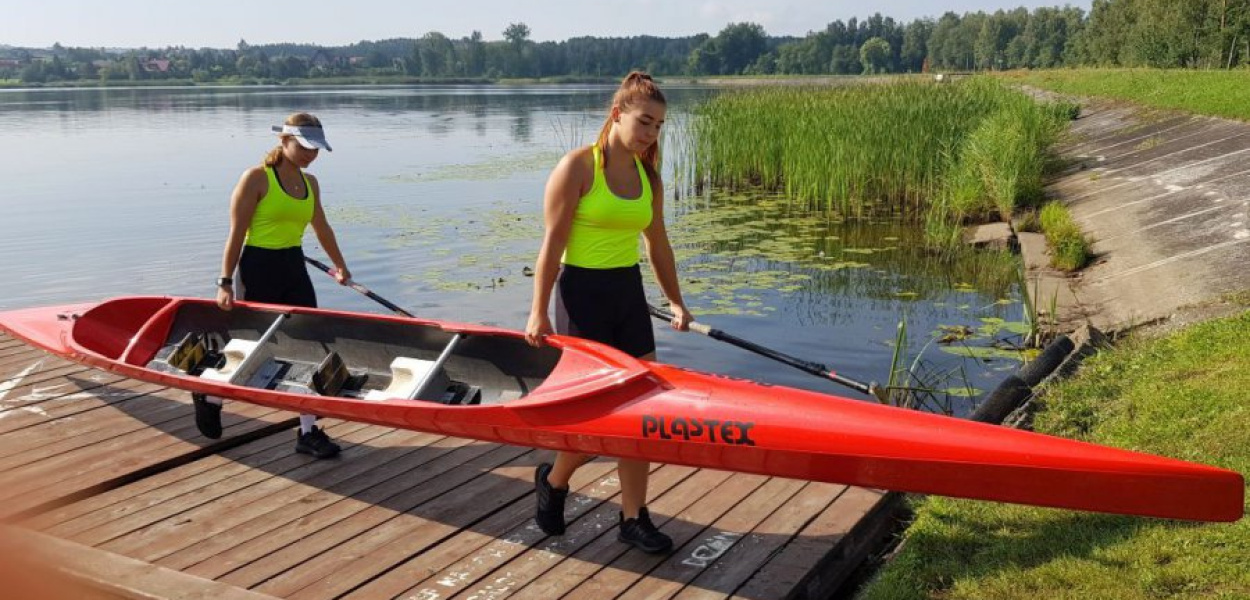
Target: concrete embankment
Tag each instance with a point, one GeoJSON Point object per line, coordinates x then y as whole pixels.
{"type": "Point", "coordinates": [1165, 199]}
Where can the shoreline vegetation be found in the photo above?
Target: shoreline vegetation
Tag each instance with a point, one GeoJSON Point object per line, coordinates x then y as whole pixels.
{"type": "Point", "coordinates": [948, 154]}
{"type": "Point", "coordinates": [942, 154]}
{"type": "Point", "coordinates": [1199, 34]}
{"type": "Point", "coordinates": [1180, 396]}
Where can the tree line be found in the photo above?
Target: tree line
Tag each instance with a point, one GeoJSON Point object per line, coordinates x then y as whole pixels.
{"type": "Point", "coordinates": [1126, 33]}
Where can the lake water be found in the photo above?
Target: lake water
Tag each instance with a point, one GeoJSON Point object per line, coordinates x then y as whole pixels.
{"type": "Point", "coordinates": [435, 194]}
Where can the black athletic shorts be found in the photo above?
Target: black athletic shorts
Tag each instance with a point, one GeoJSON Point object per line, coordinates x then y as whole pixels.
{"type": "Point", "coordinates": [605, 305]}
{"type": "Point", "coordinates": [276, 277]}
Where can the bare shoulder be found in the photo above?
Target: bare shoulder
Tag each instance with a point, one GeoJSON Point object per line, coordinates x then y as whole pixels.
{"type": "Point", "coordinates": [579, 161]}
{"type": "Point", "coordinates": [576, 168]}
{"type": "Point", "coordinates": [254, 176]}
{"type": "Point", "coordinates": [257, 171]}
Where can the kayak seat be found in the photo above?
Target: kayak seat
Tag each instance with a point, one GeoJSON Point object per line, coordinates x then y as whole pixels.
{"type": "Point", "coordinates": [234, 354]}
{"type": "Point", "coordinates": [407, 378]}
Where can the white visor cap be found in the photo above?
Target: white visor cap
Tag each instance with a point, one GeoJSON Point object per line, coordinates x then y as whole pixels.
{"type": "Point", "coordinates": [308, 136]}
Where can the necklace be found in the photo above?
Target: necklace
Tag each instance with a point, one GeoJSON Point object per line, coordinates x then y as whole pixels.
{"type": "Point", "coordinates": [296, 188]}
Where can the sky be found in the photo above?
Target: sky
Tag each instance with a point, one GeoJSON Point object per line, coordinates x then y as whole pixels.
{"type": "Point", "coordinates": [222, 23]}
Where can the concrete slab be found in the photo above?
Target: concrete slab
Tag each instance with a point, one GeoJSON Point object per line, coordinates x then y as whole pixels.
{"type": "Point", "coordinates": [1166, 203]}
{"type": "Point", "coordinates": [990, 235]}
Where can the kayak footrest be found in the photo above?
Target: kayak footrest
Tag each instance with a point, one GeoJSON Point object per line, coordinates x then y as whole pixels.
{"type": "Point", "coordinates": [189, 354]}
{"type": "Point", "coordinates": [330, 376]}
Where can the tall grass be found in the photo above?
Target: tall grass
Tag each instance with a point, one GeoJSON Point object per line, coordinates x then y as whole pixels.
{"type": "Point", "coordinates": [942, 153]}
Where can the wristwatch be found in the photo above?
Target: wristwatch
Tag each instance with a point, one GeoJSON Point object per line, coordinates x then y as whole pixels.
{"type": "Point", "coordinates": [224, 281]}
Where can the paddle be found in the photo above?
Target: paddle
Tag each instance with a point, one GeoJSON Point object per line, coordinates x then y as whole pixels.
{"type": "Point", "coordinates": [807, 366]}
{"type": "Point", "coordinates": [359, 288]}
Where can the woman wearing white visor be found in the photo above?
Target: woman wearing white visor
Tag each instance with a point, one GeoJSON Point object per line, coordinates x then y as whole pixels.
{"type": "Point", "coordinates": [271, 207]}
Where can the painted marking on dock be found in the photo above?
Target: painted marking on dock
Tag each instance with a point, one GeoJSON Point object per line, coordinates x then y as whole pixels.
{"type": "Point", "coordinates": [16, 380]}
{"type": "Point", "coordinates": [711, 549]}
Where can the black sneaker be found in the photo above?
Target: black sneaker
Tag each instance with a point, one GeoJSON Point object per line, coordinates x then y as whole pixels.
{"type": "Point", "coordinates": [550, 515]}
{"type": "Point", "coordinates": [207, 416]}
{"type": "Point", "coordinates": [316, 443]}
{"type": "Point", "coordinates": [641, 533]}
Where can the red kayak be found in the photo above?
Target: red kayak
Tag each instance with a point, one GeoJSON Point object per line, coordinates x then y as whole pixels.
{"type": "Point", "coordinates": [487, 383]}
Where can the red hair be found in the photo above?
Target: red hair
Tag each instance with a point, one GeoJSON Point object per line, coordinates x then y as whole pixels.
{"type": "Point", "coordinates": [637, 88]}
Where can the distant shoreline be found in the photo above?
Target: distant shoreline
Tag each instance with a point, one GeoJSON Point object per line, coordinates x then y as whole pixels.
{"type": "Point", "coordinates": [720, 80]}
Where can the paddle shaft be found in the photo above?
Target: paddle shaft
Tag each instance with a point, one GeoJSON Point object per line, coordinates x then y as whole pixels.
{"type": "Point", "coordinates": [806, 366]}
{"type": "Point", "coordinates": [359, 288]}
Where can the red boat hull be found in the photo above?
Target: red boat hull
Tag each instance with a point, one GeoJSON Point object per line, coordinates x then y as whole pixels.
{"type": "Point", "coordinates": [597, 400]}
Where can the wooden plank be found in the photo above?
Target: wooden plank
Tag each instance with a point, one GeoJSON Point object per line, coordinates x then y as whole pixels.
{"type": "Point", "coordinates": [393, 460]}
{"type": "Point", "coordinates": [610, 567]}
{"type": "Point", "coordinates": [680, 512]}
{"type": "Point", "coordinates": [18, 359]}
{"type": "Point", "coordinates": [121, 576]}
{"type": "Point", "coordinates": [68, 477]}
{"type": "Point", "coordinates": [443, 512]}
{"type": "Point", "coordinates": [255, 561]}
{"type": "Point", "coordinates": [59, 436]}
{"type": "Point", "coordinates": [66, 398]}
{"type": "Point", "coordinates": [147, 524]}
{"type": "Point", "coordinates": [38, 372]}
{"type": "Point", "coordinates": [198, 520]}
{"type": "Point", "coordinates": [29, 360]}
{"type": "Point", "coordinates": [116, 503]}
{"type": "Point", "coordinates": [741, 562]}
{"type": "Point", "coordinates": [171, 422]}
{"type": "Point", "coordinates": [493, 540]}
{"type": "Point", "coordinates": [532, 560]}
{"type": "Point", "coordinates": [472, 552]}
{"type": "Point", "coordinates": [701, 552]}
{"type": "Point", "coordinates": [834, 544]}
{"type": "Point", "coordinates": [7, 341]}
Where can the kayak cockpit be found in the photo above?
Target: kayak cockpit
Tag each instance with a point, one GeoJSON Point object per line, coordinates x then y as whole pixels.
{"type": "Point", "coordinates": [317, 352]}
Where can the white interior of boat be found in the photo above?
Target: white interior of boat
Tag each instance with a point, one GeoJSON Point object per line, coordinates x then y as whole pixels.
{"type": "Point", "coordinates": [408, 377]}
{"type": "Point", "coordinates": [354, 357]}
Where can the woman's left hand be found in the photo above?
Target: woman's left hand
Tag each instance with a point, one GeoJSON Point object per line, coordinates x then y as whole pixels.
{"type": "Point", "coordinates": [681, 317]}
{"type": "Point", "coordinates": [342, 275]}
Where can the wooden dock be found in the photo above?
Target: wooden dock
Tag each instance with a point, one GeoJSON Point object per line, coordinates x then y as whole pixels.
{"type": "Point", "coordinates": [106, 482]}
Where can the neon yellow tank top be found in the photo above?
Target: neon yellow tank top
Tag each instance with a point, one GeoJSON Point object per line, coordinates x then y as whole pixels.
{"type": "Point", "coordinates": [606, 227]}
{"type": "Point", "coordinates": [280, 219]}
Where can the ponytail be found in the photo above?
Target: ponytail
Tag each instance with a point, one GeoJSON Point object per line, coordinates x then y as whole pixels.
{"type": "Point", "coordinates": [635, 89]}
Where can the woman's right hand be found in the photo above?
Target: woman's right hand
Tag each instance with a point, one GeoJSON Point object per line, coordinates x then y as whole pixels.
{"type": "Point", "coordinates": [539, 327]}
{"type": "Point", "coordinates": [225, 297]}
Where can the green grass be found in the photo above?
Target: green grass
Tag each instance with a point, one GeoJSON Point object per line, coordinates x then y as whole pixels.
{"type": "Point", "coordinates": [1069, 250]}
{"type": "Point", "coordinates": [1219, 93]}
{"type": "Point", "coordinates": [1182, 397]}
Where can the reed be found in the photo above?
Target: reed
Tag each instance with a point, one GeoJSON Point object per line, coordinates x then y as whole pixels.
{"type": "Point", "coordinates": [965, 151]}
